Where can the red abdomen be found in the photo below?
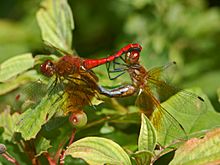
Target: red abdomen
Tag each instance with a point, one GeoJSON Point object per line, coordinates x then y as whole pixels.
{"type": "Point", "coordinates": [91, 63]}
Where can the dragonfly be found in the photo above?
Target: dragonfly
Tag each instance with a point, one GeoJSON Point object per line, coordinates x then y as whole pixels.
{"type": "Point", "coordinates": [71, 86]}
{"type": "Point", "coordinates": [75, 77]}
{"type": "Point", "coordinates": [72, 63]}
{"type": "Point", "coordinates": [71, 82]}
{"type": "Point", "coordinates": [151, 88]}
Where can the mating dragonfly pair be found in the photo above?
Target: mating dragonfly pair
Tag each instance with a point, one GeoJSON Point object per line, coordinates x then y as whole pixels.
{"type": "Point", "coordinates": [74, 77]}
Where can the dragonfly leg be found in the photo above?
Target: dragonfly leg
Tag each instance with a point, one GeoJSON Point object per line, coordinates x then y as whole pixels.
{"type": "Point", "coordinates": [115, 69]}
{"type": "Point", "coordinates": [113, 78]}
{"type": "Point", "coordinates": [115, 63]}
{"type": "Point", "coordinates": [122, 91]}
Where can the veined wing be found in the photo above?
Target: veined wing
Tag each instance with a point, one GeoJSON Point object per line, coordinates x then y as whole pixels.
{"type": "Point", "coordinates": [30, 122]}
{"type": "Point", "coordinates": [184, 98]}
{"type": "Point", "coordinates": [184, 105]}
{"type": "Point", "coordinates": [58, 99]}
{"type": "Point", "coordinates": [168, 128]}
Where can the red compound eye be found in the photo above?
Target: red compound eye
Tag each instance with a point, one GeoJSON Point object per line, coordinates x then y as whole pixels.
{"type": "Point", "coordinates": [47, 68]}
{"type": "Point", "coordinates": [133, 56]}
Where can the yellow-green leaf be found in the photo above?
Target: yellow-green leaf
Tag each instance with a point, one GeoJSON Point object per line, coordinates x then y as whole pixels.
{"type": "Point", "coordinates": [42, 145]}
{"type": "Point", "coordinates": [28, 76]}
{"type": "Point", "coordinates": [31, 121]}
{"type": "Point", "coordinates": [147, 138]}
{"type": "Point", "coordinates": [8, 122]}
{"type": "Point", "coordinates": [200, 151]}
{"type": "Point", "coordinates": [143, 157]}
{"type": "Point", "coordinates": [56, 23]}
{"type": "Point", "coordinates": [98, 151]}
{"type": "Point", "coordinates": [15, 66]}
{"type": "Point", "coordinates": [195, 117]}
{"type": "Point", "coordinates": [146, 142]}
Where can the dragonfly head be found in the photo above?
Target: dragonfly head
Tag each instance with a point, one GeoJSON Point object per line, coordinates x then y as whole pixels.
{"type": "Point", "coordinates": [47, 68]}
{"type": "Point", "coordinates": [132, 56]}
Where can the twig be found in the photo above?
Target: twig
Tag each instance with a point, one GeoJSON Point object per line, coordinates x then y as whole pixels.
{"type": "Point", "coordinates": [62, 155]}
{"type": "Point", "coordinates": [50, 160]}
{"type": "Point", "coordinates": [72, 137]}
{"type": "Point", "coordinates": [11, 159]}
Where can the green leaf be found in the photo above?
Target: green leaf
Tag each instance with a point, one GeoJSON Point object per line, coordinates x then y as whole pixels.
{"type": "Point", "coordinates": [8, 122]}
{"type": "Point", "coordinates": [41, 58]}
{"type": "Point", "coordinates": [42, 145]}
{"type": "Point", "coordinates": [199, 151]}
{"type": "Point", "coordinates": [56, 23]}
{"type": "Point", "coordinates": [146, 141]}
{"type": "Point", "coordinates": [96, 151]}
{"type": "Point", "coordinates": [15, 66]}
{"type": "Point", "coordinates": [147, 138]}
{"type": "Point", "coordinates": [31, 121]}
{"type": "Point", "coordinates": [143, 157]}
{"type": "Point", "coordinates": [195, 117]}
{"type": "Point", "coordinates": [20, 80]}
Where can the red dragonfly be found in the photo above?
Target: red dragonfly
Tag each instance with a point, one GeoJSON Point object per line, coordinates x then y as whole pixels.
{"type": "Point", "coordinates": [72, 85]}
{"type": "Point", "coordinates": [75, 77]}
{"type": "Point", "coordinates": [152, 88]}
{"type": "Point", "coordinates": [74, 81]}
{"type": "Point", "coordinates": [69, 64]}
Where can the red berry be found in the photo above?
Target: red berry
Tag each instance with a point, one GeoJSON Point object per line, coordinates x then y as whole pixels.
{"type": "Point", "coordinates": [78, 119]}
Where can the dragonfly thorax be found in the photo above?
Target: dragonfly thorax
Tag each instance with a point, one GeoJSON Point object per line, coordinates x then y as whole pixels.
{"type": "Point", "coordinates": [138, 75]}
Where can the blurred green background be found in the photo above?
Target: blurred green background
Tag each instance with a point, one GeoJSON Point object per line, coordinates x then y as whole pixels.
{"type": "Point", "coordinates": [185, 31]}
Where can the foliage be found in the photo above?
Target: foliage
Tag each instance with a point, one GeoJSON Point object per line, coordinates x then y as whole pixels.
{"type": "Point", "coordinates": [198, 149]}
{"type": "Point", "coordinates": [32, 122]}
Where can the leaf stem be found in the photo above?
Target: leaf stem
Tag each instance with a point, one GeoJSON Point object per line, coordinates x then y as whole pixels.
{"type": "Point", "coordinates": [11, 159]}
{"type": "Point", "coordinates": [50, 160]}
{"type": "Point", "coordinates": [72, 136]}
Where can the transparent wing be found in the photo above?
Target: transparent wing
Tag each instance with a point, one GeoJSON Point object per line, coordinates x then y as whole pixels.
{"type": "Point", "coordinates": [46, 106]}
{"type": "Point", "coordinates": [183, 97]}
{"type": "Point", "coordinates": [28, 95]}
{"type": "Point", "coordinates": [168, 128]}
{"type": "Point", "coordinates": [63, 95]}
{"type": "Point", "coordinates": [184, 105]}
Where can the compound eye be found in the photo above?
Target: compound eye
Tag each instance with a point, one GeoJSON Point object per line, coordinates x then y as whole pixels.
{"type": "Point", "coordinates": [128, 54]}
{"type": "Point", "coordinates": [134, 56]}
{"type": "Point", "coordinates": [47, 68]}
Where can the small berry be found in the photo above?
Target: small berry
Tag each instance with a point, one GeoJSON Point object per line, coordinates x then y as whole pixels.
{"type": "Point", "coordinates": [78, 119]}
